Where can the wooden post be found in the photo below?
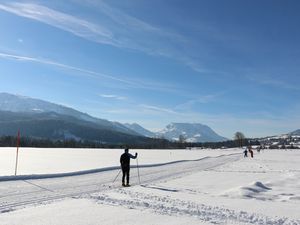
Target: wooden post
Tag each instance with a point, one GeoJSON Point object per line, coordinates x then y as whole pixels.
{"type": "Point", "coordinates": [17, 155]}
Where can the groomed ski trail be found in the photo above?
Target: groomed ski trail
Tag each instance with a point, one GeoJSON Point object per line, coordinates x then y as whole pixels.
{"type": "Point", "coordinates": [97, 186]}
{"type": "Point", "coordinates": [19, 192]}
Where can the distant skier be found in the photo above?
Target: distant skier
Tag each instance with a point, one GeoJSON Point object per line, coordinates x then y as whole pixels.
{"type": "Point", "coordinates": [251, 151]}
{"type": "Point", "coordinates": [125, 165]}
{"type": "Point", "coordinates": [259, 149]}
{"type": "Point", "coordinates": [245, 152]}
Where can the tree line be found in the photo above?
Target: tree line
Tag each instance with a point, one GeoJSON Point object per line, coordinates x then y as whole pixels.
{"type": "Point", "coordinates": [152, 143]}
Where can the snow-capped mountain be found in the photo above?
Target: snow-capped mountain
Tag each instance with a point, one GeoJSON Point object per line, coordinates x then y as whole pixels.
{"type": "Point", "coordinates": [140, 130]}
{"type": "Point", "coordinates": [22, 104]}
{"type": "Point", "coordinates": [192, 132]}
{"type": "Point", "coordinates": [61, 121]}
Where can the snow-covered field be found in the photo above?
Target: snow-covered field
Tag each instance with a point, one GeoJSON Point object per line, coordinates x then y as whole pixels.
{"type": "Point", "coordinates": [177, 187]}
{"type": "Point", "coordinates": [45, 161]}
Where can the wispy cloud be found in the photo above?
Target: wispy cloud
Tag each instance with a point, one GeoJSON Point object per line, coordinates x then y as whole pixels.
{"type": "Point", "coordinates": [272, 81]}
{"type": "Point", "coordinates": [204, 99]}
{"type": "Point", "coordinates": [85, 72]}
{"type": "Point", "coordinates": [121, 32]}
{"type": "Point", "coordinates": [117, 29]}
{"type": "Point", "coordinates": [139, 35]}
{"type": "Point", "coordinates": [117, 97]}
{"type": "Point", "coordinates": [139, 84]}
{"type": "Point", "coordinates": [157, 109]}
{"type": "Point", "coordinates": [77, 26]}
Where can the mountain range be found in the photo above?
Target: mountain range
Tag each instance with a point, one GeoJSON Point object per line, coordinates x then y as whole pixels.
{"type": "Point", "coordinates": [21, 104]}
{"type": "Point", "coordinates": [190, 132]}
{"type": "Point", "coordinates": [41, 119]}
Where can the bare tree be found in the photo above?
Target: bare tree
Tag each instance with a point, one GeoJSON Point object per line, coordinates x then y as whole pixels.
{"type": "Point", "coordinates": [240, 138]}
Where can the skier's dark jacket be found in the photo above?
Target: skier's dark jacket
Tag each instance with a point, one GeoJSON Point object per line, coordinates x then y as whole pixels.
{"type": "Point", "coordinates": [125, 159]}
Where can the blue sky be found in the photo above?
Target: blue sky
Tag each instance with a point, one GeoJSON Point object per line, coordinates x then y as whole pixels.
{"type": "Point", "coordinates": [232, 65]}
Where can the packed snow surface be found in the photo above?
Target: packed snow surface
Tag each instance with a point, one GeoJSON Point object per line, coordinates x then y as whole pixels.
{"type": "Point", "coordinates": [174, 187]}
{"type": "Point", "coordinates": [45, 160]}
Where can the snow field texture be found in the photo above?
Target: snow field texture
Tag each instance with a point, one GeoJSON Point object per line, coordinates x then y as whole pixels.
{"type": "Point", "coordinates": [51, 161]}
{"type": "Point", "coordinates": [224, 188]}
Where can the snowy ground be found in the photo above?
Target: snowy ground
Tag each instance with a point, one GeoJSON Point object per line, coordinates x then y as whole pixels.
{"type": "Point", "coordinates": [45, 161]}
{"type": "Point", "coordinates": [208, 187]}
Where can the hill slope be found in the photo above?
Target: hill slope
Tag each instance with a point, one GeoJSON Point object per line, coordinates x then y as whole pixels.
{"type": "Point", "coordinates": [140, 130]}
{"type": "Point", "coordinates": [41, 119]}
{"type": "Point", "coordinates": [17, 103]}
{"type": "Point", "coordinates": [60, 127]}
{"type": "Point", "coordinates": [296, 132]}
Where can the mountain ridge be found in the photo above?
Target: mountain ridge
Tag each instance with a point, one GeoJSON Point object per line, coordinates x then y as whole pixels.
{"type": "Point", "coordinates": [18, 103]}
{"type": "Point", "coordinates": [60, 127]}
{"type": "Point", "coordinates": [26, 110]}
{"type": "Point", "coordinates": [191, 132]}
{"type": "Point", "coordinates": [295, 132]}
{"type": "Point", "coordinates": [139, 129]}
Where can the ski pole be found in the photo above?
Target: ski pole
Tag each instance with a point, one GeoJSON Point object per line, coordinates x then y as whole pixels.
{"type": "Point", "coordinates": [117, 176]}
{"type": "Point", "coordinates": [138, 170]}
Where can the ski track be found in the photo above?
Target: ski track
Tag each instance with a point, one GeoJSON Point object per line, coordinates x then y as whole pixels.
{"type": "Point", "coordinates": [97, 185]}
{"type": "Point", "coordinates": [175, 207]}
{"type": "Point", "coordinates": [17, 194]}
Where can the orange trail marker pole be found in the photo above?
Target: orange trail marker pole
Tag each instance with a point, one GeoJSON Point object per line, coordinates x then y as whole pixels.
{"type": "Point", "coordinates": [17, 155]}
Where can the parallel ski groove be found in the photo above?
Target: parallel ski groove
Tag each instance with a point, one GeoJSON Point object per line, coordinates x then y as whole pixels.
{"type": "Point", "coordinates": [38, 191]}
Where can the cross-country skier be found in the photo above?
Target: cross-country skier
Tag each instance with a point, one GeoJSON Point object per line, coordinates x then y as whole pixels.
{"type": "Point", "coordinates": [250, 151]}
{"type": "Point", "coordinates": [125, 165]}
